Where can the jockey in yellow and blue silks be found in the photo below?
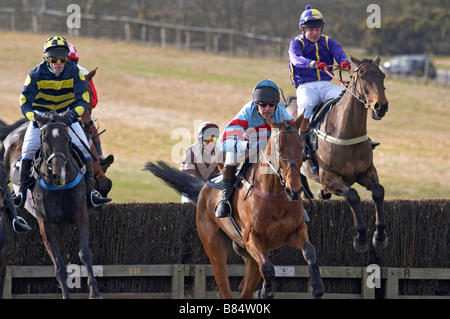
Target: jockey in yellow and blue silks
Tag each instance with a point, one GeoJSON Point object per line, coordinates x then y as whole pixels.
{"type": "Point", "coordinates": [56, 84]}
{"type": "Point", "coordinates": [309, 54]}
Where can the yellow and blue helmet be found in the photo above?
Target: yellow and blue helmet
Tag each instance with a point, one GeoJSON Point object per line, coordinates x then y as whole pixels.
{"type": "Point", "coordinates": [311, 18]}
{"type": "Point", "coordinates": [56, 46]}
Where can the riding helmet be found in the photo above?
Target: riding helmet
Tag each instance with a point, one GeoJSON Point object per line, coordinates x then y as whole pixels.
{"type": "Point", "coordinates": [56, 46]}
{"type": "Point", "coordinates": [266, 90]}
{"type": "Point", "coordinates": [311, 18]}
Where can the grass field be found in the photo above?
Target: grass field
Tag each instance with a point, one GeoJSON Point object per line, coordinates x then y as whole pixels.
{"type": "Point", "coordinates": [147, 95]}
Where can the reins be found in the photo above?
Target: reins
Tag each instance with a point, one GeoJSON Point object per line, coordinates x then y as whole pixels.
{"type": "Point", "coordinates": [360, 98]}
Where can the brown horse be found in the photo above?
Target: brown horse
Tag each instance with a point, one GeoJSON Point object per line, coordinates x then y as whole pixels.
{"type": "Point", "coordinates": [268, 212]}
{"type": "Point", "coordinates": [344, 154]}
{"type": "Point", "coordinates": [102, 183]}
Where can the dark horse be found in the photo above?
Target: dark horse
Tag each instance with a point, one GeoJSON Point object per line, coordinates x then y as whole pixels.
{"type": "Point", "coordinates": [59, 194]}
{"type": "Point", "coordinates": [344, 154]}
{"type": "Point", "coordinates": [5, 231]}
{"type": "Point", "coordinates": [267, 209]}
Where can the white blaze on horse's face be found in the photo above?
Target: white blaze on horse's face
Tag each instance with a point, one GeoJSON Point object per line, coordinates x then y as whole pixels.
{"type": "Point", "coordinates": [55, 132]}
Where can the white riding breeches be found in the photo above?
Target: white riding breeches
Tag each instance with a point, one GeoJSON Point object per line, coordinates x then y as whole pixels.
{"type": "Point", "coordinates": [32, 140]}
{"type": "Point", "coordinates": [312, 93]}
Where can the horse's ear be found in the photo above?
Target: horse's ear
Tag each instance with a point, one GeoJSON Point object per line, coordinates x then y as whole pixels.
{"type": "Point", "coordinates": [40, 118]}
{"type": "Point", "coordinates": [355, 61]}
{"type": "Point", "coordinates": [65, 116]}
{"type": "Point", "coordinates": [377, 60]}
{"type": "Point", "coordinates": [91, 74]}
{"type": "Point", "coordinates": [271, 122]}
{"type": "Point", "coordinates": [298, 121]}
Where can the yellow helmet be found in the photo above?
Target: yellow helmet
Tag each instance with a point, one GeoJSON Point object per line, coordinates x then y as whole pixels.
{"type": "Point", "coordinates": [56, 46]}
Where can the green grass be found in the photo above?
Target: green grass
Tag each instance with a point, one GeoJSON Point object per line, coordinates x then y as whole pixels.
{"type": "Point", "coordinates": [145, 93]}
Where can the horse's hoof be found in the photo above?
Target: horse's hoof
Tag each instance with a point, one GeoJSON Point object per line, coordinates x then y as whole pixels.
{"type": "Point", "coordinates": [360, 247]}
{"type": "Point", "coordinates": [379, 243]}
{"type": "Point", "coordinates": [323, 195]}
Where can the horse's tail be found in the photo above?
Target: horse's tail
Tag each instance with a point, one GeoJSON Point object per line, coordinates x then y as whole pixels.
{"type": "Point", "coordinates": [183, 183]}
{"type": "Point", "coordinates": [6, 129]}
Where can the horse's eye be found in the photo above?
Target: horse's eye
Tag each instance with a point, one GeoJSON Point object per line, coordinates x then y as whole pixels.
{"type": "Point", "coordinates": [362, 77]}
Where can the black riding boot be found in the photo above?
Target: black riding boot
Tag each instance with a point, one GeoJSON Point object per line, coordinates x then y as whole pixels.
{"type": "Point", "coordinates": [94, 199]}
{"type": "Point", "coordinates": [18, 223]}
{"type": "Point", "coordinates": [98, 146]}
{"type": "Point", "coordinates": [223, 207]}
{"type": "Point", "coordinates": [25, 181]}
{"type": "Point", "coordinates": [306, 151]}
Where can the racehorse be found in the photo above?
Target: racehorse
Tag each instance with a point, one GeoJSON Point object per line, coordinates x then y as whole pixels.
{"type": "Point", "coordinates": [344, 154]}
{"type": "Point", "coordinates": [267, 213]}
{"type": "Point", "coordinates": [58, 194]}
{"type": "Point", "coordinates": [5, 231]}
{"type": "Point", "coordinates": [102, 183]}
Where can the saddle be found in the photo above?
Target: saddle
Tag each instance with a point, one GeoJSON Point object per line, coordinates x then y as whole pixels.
{"type": "Point", "coordinates": [319, 113]}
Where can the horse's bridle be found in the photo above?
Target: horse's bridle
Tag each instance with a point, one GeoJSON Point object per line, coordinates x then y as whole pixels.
{"type": "Point", "coordinates": [54, 154]}
{"type": "Point", "coordinates": [292, 163]}
{"type": "Point", "coordinates": [359, 96]}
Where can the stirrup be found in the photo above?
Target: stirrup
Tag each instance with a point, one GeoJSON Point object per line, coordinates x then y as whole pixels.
{"type": "Point", "coordinates": [22, 223]}
{"type": "Point", "coordinates": [95, 195]}
{"type": "Point", "coordinates": [18, 199]}
{"type": "Point", "coordinates": [227, 202]}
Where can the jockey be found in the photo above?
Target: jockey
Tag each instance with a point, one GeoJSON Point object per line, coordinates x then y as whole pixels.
{"type": "Point", "coordinates": [247, 131]}
{"type": "Point", "coordinates": [74, 56]}
{"type": "Point", "coordinates": [55, 84]}
{"type": "Point", "coordinates": [200, 159]}
{"type": "Point", "coordinates": [309, 55]}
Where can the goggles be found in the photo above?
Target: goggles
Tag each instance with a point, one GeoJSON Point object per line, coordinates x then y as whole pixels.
{"type": "Point", "coordinates": [55, 59]}
{"type": "Point", "coordinates": [265, 104]}
{"type": "Point", "coordinates": [208, 140]}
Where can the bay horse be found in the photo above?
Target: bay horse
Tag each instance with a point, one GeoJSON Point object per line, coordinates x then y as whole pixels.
{"type": "Point", "coordinates": [344, 154]}
{"type": "Point", "coordinates": [267, 210]}
{"type": "Point", "coordinates": [59, 194]}
{"type": "Point", "coordinates": [102, 183]}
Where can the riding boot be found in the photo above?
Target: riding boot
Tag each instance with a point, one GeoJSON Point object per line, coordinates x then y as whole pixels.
{"type": "Point", "coordinates": [18, 223]}
{"type": "Point", "coordinates": [94, 198]}
{"type": "Point", "coordinates": [373, 143]}
{"type": "Point", "coordinates": [25, 181]}
{"type": "Point", "coordinates": [98, 146]}
{"type": "Point", "coordinates": [306, 151]}
{"type": "Point", "coordinates": [223, 207]}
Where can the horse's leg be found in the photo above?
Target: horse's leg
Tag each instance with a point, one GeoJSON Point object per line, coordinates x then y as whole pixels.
{"type": "Point", "coordinates": [252, 275]}
{"type": "Point", "coordinates": [85, 254]}
{"type": "Point", "coordinates": [256, 249]}
{"type": "Point", "coordinates": [370, 181]}
{"type": "Point", "coordinates": [334, 184]}
{"type": "Point", "coordinates": [300, 240]}
{"type": "Point", "coordinates": [216, 246]}
{"type": "Point", "coordinates": [49, 233]}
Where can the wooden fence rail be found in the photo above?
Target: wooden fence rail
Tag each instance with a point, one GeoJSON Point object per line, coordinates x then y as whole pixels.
{"type": "Point", "coordinates": [199, 273]}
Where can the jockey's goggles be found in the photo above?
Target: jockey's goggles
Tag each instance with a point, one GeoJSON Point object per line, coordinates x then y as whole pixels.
{"type": "Point", "coordinates": [208, 140]}
{"type": "Point", "coordinates": [265, 104]}
{"type": "Point", "coordinates": [55, 59]}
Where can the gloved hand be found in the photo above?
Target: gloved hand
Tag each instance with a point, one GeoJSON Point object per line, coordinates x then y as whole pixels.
{"type": "Point", "coordinates": [345, 66]}
{"type": "Point", "coordinates": [72, 119]}
{"type": "Point", "coordinates": [320, 65]}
